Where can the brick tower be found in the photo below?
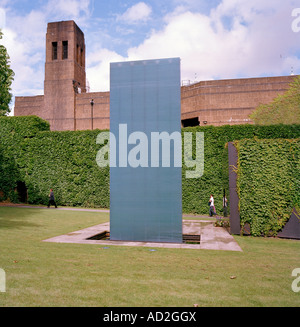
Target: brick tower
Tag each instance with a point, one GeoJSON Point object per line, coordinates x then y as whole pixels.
{"type": "Point", "coordinates": [64, 73]}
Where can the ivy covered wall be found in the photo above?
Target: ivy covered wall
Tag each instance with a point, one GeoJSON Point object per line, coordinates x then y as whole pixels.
{"type": "Point", "coordinates": [15, 132]}
{"type": "Point", "coordinates": [196, 192]}
{"type": "Point", "coordinates": [268, 183]}
{"type": "Point", "coordinates": [66, 162]}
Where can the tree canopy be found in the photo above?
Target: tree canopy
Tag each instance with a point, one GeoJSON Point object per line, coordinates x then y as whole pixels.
{"type": "Point", "coordinates": [6, 79]}
{"type": "Point", "coordinates": [284, 109]}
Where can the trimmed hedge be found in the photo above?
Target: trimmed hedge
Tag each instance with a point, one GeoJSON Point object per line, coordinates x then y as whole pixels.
{"type": "Point", "coordinates": [65, 161]}
{"type": "Point", "coordinates": [196, 192]}
{"type": "Point", "coordinates": [14, 131]}
{"type": "Point", "coordinates": [268, 183]}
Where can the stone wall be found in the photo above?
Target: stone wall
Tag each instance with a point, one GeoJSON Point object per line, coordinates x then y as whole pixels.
{"type": "Point", "coordinates": [92, 117]}
{"type": "Point", "coordinates": [221, 102]}
{"type": "Point", "coordinates": [217, 103]}
{"type": "Point", "coordinates": [27, 106]}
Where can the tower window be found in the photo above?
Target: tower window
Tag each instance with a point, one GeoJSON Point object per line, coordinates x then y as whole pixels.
{"type": "Point", "coordinates": [65, 50]}
{"type": "Point", "coordinates": [54, 50]}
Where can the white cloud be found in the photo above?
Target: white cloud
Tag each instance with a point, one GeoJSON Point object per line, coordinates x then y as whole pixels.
{"type": "Point", "coordinates": [69, 9]}
{"type": "Point", "coordinates": [23, 62]}
{"type": "Point", "coordinates": [2, 18]}
{"type": "Point", "coordinates": [237, 39]}
{"type": "Point", "coordinates": [140, 12]}
{"type": "Point", "coordinates": [24, 41]}
{"type": "Point", "coordinates": [98, 74]}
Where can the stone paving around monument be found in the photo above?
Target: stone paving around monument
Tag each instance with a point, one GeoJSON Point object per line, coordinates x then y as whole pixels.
{"type": "Point", "coordinates": [212, 238]}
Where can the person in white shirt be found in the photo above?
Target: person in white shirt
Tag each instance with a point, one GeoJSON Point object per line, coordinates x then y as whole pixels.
{"type": "Point", "coordinates": [225, 206]}
{"type": "Point", "coordinates": [212, 210]}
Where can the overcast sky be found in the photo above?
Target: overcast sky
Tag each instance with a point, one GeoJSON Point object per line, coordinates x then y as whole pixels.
{"type": "Point", "coordinates": [216, 39]}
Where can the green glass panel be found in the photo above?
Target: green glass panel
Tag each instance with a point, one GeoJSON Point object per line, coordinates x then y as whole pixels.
{"type": "Point", "coordinates": [145, 191]}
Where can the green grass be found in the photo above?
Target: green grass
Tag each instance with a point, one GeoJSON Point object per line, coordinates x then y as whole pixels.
{"type": "Point", "coordinates": [51, 274]}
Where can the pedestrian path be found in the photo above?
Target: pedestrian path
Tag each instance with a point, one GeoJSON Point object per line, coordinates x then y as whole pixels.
{"type": "Point", "coordinates": [25, 206]}
{"type": "Point", "coordinates": [79, 209]}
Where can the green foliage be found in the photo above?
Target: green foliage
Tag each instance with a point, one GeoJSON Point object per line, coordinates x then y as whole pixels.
{"type": "Point", "coordinates": [9, 173]}
{"type": "Point", "coordinates": [6, 79]}
{"type": "Point", "coordinates": [14, 133]}
{"type": "Point", "coordinates": [222, 222]}
{"type": "Point", "coordinates": [18, 128]}
{"type": "Point", "coordinates": [66, 162]}
{"type": "Point", "coordinates": [196, 192]}
{"type": "Point", "coordinates": [284, 109]}
{"type": "Point", "coordinates": [268, 183]}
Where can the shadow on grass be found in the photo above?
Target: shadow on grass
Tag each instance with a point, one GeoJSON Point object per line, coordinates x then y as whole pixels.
{"type": "Point", "coordinates": [14, 217]}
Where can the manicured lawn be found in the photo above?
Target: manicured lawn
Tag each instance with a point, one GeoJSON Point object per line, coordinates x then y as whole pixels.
{"type": "Point", "coordinates": [49, 274]}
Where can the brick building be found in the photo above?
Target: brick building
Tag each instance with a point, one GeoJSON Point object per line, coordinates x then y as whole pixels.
{"type": "Point", "coordinates": [67, 105]}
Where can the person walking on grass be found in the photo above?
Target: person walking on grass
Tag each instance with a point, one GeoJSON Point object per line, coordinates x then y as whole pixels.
{"type": "Point", "coordinates": [51, 199]}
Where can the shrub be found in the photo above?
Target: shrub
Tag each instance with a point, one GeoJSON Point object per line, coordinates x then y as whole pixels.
{"type": "Point", "coordinates": [14, 132]}
{"type": "Point", "coordinates": [268, 183]}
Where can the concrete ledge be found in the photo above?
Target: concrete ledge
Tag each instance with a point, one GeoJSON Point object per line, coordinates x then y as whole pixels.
{"type": "Point", "coordinates": [212, 238]}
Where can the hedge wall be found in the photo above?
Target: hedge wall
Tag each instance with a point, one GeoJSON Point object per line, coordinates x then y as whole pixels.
{"type": "Point", "coordinates": [268, 183]}
{"type": "Point", "coordinates": [66, 162]}
{"type": "Point", "coordinates": [196, 192]}
{"type": "Point", "coordinates": [14, 131]}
